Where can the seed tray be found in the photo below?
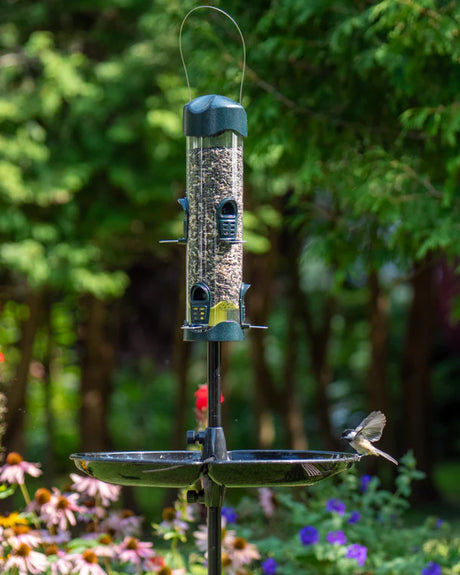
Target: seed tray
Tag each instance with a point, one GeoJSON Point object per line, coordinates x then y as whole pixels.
{"type": "Point", "coordinates": [143, 468]}
{"type": "Point", "coordinates": [251, 468]}
{"type": "Point", "coordinates": [286, 468]}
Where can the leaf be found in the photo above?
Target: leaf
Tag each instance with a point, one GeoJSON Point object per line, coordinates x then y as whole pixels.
{"type": "Point", "coordinates": [6, 491]}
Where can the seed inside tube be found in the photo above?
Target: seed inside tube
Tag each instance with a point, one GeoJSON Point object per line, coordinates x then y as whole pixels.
{"type": "Point", "coordinates": [214, 175]}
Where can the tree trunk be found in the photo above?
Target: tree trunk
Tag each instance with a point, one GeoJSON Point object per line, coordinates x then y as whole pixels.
{"type": "Point", "coordinates": [292, 407]}
{"type": "Point", "coordinates": [416, 364]}
{"type": "Point", "coordinates": [377, 395]}
{"type": "Point", "coordinates": [97, 365]}
{"type": "Point", "coordinates": [49, 462]}
{"type": "Point", "coordinates": [318, 342]}
{"type": "Point", "coordinates": [16, 392]}
{"type": "Point", "coordinates": [260, 297]}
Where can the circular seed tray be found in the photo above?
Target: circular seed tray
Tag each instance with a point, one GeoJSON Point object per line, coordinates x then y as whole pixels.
{"type": "Point", "coordinates": [255, 468]}
{"type": "Point", "coordinates": [287, 468]}
{"type": "Point", "coordinates": [145, 468]}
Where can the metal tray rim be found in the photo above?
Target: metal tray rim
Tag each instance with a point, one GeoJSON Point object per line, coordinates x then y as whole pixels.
{"type": "Point", "coordinates": [310, 457]}
{"type": "Point", "coordinates": [134, 457]}
{"type": "Point", "coordinates": [194, 457]}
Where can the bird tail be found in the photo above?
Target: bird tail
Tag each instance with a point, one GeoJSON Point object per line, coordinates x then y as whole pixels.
{"type": "Point", "coordinates": [385, 455]}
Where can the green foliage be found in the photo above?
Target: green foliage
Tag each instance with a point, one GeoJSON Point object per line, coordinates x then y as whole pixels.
{"type": "Point", "coordinates": [143, 402]}
{"type": "Point", "coordinates": [348, 105]}
{"type": "Point", "coordinates": [83, 141]}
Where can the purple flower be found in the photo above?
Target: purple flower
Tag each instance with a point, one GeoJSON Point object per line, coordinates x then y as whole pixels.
{"type": "Point", "coordinates": [358, 553]}
{"type": "Point", "coordinates": [269, 566]}
{"type": "Point", "coordinates": [365, 479]}
{"type": "Point", "coordinates": [308, 535]}
{"type": "Point", "coordinates": [432, 568]}
{"type": "Point", "coordinates": [336, 538]}
{"type": "Point", "coordinates": [336, 506]}
{"type": "Point", "coordinates": [230, 514]}
{"type": "Point", "coordinates": [439, 523]}
{"type": "Point", "coordinates": [354, 517]}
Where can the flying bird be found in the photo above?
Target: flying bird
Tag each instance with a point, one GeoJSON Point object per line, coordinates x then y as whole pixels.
{"type": "Point", "coordinates": [366, 433]}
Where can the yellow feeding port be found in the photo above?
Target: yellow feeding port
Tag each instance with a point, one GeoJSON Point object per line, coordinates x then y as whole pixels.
{"type": "Point", "coordinates": [223, 311]}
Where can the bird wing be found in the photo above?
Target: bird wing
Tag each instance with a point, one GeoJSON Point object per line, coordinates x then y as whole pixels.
{"type": "Point", "coordinates": [371, 427]}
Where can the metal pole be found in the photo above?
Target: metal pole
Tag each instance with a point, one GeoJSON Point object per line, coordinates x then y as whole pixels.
{"type": "Point", "coordinates": [214, 420]}
{"type": "Point", "coordinates": [214, 384]}
{"type": "Point", "coordinates": [214, 541]}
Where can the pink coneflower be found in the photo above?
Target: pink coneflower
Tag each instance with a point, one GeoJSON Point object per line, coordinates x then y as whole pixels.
{"type": "Point", "coordinates": [26, 561]}
{"type": "Point", "coordinates": [165, 570]}
{"type": "Point", "coordinates": [241, 552]}
{"type": "Point", "coordinates": [42, 497]}
{"type": "Point", "coordinates": [105, 547]}
{"type": "Point", "coordinates": [61, 565]}
{"type": "Point", "coordinates": [59, 511]}
{"type": "Point", "coordinates": [201, 538]}
{"type": "Point", "coordinates": [267, 501]}
{"type": "Point", "coordinates": [87, 564]}
{"type": "Point", "coordinates": [20, 534]}
{"type": "Point", "coordinates": [172, 521]}
{"type": "Point", "coordinates": [122, 524]}
{"type": "Point", "coordinates": [95, 488]}
{"type": "Point", "coordinates": [90, 510]}
{"type": "Point", "coordinates": [15, 467]}
{"type": "Point", "coordinates": [131, 550]}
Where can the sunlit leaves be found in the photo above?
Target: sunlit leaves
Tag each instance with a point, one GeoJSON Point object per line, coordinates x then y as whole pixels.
{"type": "Point", "coordinates": [442, 121]}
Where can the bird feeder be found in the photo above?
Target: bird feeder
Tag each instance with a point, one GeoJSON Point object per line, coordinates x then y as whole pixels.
{"type": "Point", "coordinates": [214, 127]}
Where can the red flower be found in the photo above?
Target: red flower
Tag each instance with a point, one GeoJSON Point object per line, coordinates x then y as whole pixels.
{"type": "Point", "coordinates": [2, 357]}
{"type": "Point", "coordinates": [201, 395]}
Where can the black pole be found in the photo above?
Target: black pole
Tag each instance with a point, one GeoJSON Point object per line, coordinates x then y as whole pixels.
{"type": "Point", "coordinates": [214, 420]}
{"type": "Point", "coordinates": [214, 384]}
{"type": "Point", "coordinates": [214, 541]}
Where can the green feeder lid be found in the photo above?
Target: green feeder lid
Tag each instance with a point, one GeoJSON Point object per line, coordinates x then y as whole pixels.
{"type": "Point", "coordinates": [211, 114]}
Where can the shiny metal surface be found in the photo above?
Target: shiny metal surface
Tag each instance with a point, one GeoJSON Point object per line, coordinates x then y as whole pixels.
{"type": "Point", "coordinates": [244, 468]}
{"type": "Point", "coordinates": [144, 468]}
{"type": "Point", "coordinates": [259, 468]}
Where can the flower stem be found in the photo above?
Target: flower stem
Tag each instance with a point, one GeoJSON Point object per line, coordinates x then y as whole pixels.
{"type": "Point", "coordinates": [107, 566]}
{"type": "Point", "coordinates": [25, 493]}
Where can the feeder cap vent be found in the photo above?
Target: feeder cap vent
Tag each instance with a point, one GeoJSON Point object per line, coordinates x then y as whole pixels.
{"type": "Point", "coordinates": [211, 114]}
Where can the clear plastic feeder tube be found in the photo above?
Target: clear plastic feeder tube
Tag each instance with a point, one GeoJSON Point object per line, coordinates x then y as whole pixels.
{"type": "Point", "coordinates": [215, 228]}
{"type": "Point", "coordinates": [214, 126]}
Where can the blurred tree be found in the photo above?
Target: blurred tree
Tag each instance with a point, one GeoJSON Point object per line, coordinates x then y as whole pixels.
{"type": "Point", "coordinates": [368, 142]}
{"type": "Point", "coordinates": [83, 139]}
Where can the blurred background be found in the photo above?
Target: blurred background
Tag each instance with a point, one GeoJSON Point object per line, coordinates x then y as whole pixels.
{"type": "Point", "coordinates": [352, 226]}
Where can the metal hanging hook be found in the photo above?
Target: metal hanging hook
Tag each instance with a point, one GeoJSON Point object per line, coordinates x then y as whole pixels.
{"type": "Point", "coordinates": [182, 54]}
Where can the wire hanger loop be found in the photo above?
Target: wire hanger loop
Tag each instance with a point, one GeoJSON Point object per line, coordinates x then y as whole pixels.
{"type": "Point", "coordinates": [182, 54]}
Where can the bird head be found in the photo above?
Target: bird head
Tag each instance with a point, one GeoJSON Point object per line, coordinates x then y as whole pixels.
{"type": "Point", "coordinates": [349, 434]}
